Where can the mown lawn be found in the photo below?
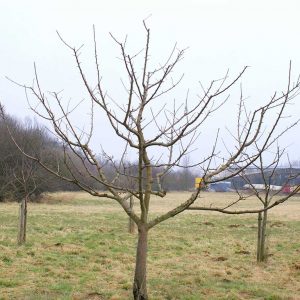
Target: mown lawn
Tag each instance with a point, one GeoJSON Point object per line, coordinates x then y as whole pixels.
{"type": "Point", "coordinates": [78, 248]}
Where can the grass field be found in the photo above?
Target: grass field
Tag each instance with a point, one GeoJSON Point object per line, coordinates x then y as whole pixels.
{"type": "Point", "coordinates": [78, 248]}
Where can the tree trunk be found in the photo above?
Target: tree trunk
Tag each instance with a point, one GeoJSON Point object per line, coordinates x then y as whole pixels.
{"type": "Point", "coordinates": [264, 255]}
{"type": "Point", "coordinates": [258, 251]}
{"type": "Point", "coordinates": [140, 278]}
{"type": "Point", "coordinates": [131, 224]}
{"type": "Point", "coordinates": [22, 221]}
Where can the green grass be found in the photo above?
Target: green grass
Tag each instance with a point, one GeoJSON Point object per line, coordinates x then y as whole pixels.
{"type": "Point", "coordinates": [81, 250]}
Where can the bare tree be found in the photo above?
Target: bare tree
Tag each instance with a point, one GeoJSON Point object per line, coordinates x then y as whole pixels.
{"type": "Point", "coordinates": [31, 138]}
{"type": "Point", "coordinates": [27, 184]}
{"type": "Point", "coordinates": [268, 183]}
{"type": "Point", "coordinates": [21, 177]}
{"type": "Point", "coordinates": [160, 134]}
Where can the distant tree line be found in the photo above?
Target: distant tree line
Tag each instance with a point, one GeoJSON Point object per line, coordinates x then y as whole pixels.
{"type": "Point", "coordinates": [20, 175]}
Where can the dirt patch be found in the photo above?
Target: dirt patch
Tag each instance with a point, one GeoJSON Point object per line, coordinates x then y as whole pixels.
{"type": "Point", "coordinates": [235, 225]}
{"type": "Point", "coordinates": [208, 223]}
{"type": "Point", "coordinates": [220, 258]}
{"type": "Point", "coordinates": [94, 296]}
{"type": "Point", "coordinates": [245, 252]}
{"type": "Point", "coordinates": [67, 248]}
{"type": "Point", "coordinates": [277, 224]}
{"type": "Point", "coordinates": [88, 296]}
{"type": "Point", "coordinates": [296, 266]}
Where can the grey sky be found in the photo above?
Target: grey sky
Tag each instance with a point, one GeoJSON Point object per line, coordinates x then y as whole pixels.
{"type": "Point", "coordinates": [219, 34]}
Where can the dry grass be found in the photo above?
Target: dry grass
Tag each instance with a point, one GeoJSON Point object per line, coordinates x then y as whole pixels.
{"type": "Point", "coordinates": [78, 248]}
{"type": "Point", "coordinates": [289, 210]}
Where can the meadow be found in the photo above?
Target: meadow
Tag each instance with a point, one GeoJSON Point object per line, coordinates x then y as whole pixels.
{"type": "Point", "coordinates": [78, 247]}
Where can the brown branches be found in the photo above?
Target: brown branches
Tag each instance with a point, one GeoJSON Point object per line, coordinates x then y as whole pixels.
{"type": "Point", "coordinates": [160, 134]}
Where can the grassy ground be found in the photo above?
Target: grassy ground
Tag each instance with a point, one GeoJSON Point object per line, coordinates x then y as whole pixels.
{"type": "Point", "coordinates": [78, 248]}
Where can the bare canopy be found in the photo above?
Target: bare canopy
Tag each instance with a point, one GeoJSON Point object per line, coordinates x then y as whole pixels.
{"type": "Point", "coordinates": [159, 134]}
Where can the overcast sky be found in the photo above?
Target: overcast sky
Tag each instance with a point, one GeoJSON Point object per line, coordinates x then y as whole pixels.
{"type": "Point", "coordinates": [219, 34]}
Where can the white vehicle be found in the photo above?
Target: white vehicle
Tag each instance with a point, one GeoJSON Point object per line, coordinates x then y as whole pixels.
{"type": "Point", "coordinates": [262, 187]}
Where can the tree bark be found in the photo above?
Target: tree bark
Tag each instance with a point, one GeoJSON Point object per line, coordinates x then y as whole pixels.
{"type": "Point", "coordinates": [140, 280]}
{"type": "Point", "coordinates": [262, 254]}
{"type": "Point", "coordinates": [263, 236]}
{"type": "Point", "coordinates": [22, 221]}
{"type": "Point", "coordinates": [258, 254]}
{"type": "Point", "coordinates": [131, 224]}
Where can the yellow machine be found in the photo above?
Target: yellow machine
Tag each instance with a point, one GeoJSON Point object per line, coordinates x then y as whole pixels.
{"type": "Point", "coordinates": [198, 182]}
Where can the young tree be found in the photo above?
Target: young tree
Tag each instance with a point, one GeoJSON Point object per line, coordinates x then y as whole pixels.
{"type": "Point", "coordinates": [25, 181]}
{"type": "Point", "coordinates": [269, 183]}
{"type": "Point", "coordinates": [160, 135]}
{"type": "Point", "coordinates": [21, 177]}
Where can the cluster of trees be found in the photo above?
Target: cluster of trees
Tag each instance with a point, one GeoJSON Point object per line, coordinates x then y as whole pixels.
{"type": "Point", "coordinates": [20, 175]}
